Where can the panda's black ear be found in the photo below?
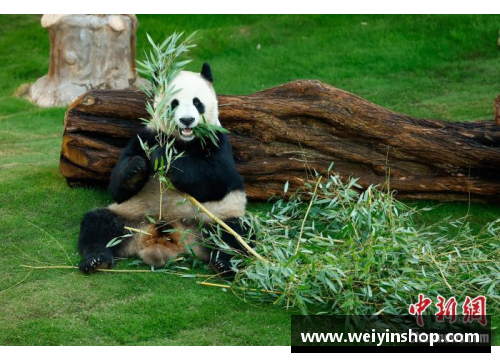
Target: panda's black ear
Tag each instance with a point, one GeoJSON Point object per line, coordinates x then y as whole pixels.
{"type": "Point", "coordinates": [206, 72]}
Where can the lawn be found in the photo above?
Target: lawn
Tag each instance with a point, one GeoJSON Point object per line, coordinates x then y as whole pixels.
{"type": "Point", "coordinates": [443, 67]}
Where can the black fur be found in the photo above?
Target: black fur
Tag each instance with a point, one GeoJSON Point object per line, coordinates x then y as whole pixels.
{"type": "Point", "coordinates": [132, 170]}
{"type": "Point", "coordinates": [199, 105]}
{"type": "Point", "coordinates": [206, 72]}
{"type": "Point", "coordinates": [98, 227]}
{"type": "Point", "coordinates": [220, 261]}
{"type": "Point", "coordinates": [208, 173]}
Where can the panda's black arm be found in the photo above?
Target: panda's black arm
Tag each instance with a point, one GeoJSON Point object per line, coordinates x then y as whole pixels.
{"type": "Point", "coordinates": [132, 170]}
{"type": "Point", "coordinates": [207, 178]}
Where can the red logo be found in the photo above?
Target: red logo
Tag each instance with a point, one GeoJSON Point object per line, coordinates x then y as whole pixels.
{"type": "Point", "coordinates": [475, 309]}
{"type": "Point", "coordinates": [419, 308]}
{"type": "Point", "coordinates": [472, 309]}
{"type": "Point", "coordinates": [446, 309]}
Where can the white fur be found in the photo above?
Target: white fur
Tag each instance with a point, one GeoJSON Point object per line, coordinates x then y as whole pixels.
{"type": "Point", "coordinates": [175, 207]}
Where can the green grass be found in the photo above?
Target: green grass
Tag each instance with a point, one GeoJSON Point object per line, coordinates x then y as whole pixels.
{"type": "Point", "coordinates": [427, 66]}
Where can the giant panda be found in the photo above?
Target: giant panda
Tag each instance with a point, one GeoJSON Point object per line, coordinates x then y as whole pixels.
{"type": "Point", "coordinates": [205, 171]}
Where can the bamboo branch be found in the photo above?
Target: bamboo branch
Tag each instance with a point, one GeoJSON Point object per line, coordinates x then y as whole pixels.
{"type": "Point", "coordinates": [49, 267]}
{"type": "Point", "coordinates": [114, 270]}
{"type": "Point", "coordinates": [441, 272]}
{"type": "Point", "coordinates": [225, 226]}
{"type": "Point", "coordinates": [307, 213]}
{"type": "Point", "coordinates": [137, 230]}
{"type": "Point", "coordinates": [228, 286]}
{"type": "Point", "coordinates": [53, 238]}
{"type": "Point", "coordinates": [18, 283]}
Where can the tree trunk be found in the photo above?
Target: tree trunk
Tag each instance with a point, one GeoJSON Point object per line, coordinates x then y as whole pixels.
{"type": "Point", "coordinates": [279, 133]}
{"type": "Point", "coordinates": [86, 52]}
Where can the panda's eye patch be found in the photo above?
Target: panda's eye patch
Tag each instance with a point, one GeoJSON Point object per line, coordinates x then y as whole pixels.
{"type": "Point", "coordinates": [199, 106]}
{"type": "Point", "coordinates": [174, 103]}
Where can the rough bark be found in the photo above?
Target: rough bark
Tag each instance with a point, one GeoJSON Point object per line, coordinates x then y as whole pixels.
{"type": "Point", "coordinates": [86, 52]}
{"type": "Point", "coordinates": [278, 133]}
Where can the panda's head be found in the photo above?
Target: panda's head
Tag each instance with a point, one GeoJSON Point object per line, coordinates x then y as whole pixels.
{"type": "Point", "coordinates": [195, 100]}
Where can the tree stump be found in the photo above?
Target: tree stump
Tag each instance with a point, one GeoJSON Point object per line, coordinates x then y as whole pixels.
{"type": "Point", "coordinates": [86, 52]}
{"type": "Point", "coordinates": [278, 133]}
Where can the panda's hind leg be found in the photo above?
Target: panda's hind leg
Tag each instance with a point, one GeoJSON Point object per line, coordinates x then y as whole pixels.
{"type": "Point", "coordinates": [98, 227]}
{"type": "Point", "coordinates": [220, 261]}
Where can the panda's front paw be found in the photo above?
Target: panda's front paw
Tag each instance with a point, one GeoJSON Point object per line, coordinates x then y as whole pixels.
{"type": "Point", "coordinates": [220, 263]}
{"type": "Point", "coordinates": [103, 260]}
{"type": "Point", "coordinates": [137, 165]}
{"type": "Point", "coordinates": [136, 173]}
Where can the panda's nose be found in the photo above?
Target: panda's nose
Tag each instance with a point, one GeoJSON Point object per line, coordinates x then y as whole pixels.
{"type": "Point", "coordinates": [186, 121]}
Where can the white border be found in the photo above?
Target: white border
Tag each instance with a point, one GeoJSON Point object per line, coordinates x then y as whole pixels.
{"type": "Point", "coordinates": [253, 7]}
{"type": "Point", "coordinates": [219, 354]}
{"type": "Point", "coordinates": [53, 354]}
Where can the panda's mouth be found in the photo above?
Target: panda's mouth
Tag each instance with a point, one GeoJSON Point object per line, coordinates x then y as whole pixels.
{"type": "Point", "coordinates": [187, 132]}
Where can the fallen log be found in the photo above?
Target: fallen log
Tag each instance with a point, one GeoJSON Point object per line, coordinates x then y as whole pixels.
{"type": "Point", "coordinates": [279, 133]}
